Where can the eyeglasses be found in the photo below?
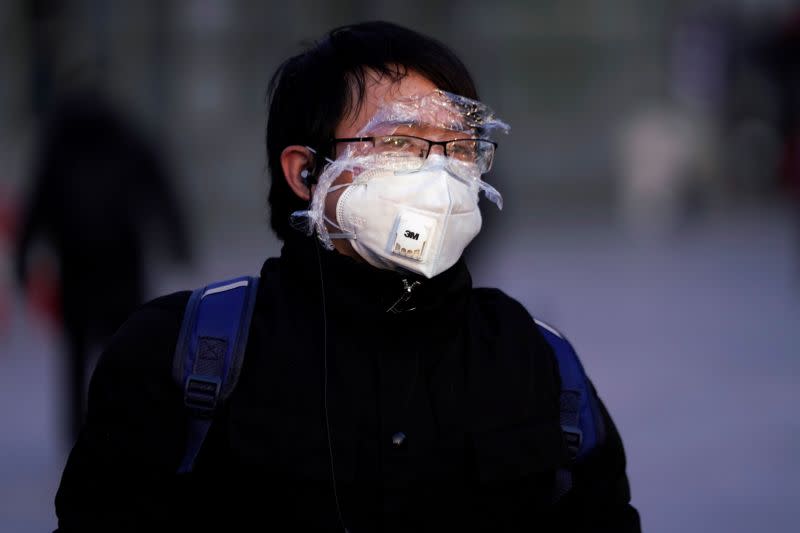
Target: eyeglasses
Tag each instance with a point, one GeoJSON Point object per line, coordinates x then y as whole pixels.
{"type": "Point", "coordinates": [414, 150]}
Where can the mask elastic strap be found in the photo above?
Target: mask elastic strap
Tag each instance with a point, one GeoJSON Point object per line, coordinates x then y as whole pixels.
{"type": "Point", "coordinates": [337, 187]}
{"type": "Point", "coordinates": [341, 234]}
{"type": "Point", "coordinates": [328, 159]}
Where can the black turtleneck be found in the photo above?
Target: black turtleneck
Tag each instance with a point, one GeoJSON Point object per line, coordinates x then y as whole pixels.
{"type": "Point", "coordinates": [359, 405]}
{"type": "Point", "coordinates": [367, 288]}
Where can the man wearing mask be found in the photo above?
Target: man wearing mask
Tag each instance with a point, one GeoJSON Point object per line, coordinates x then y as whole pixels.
{"type": "Point", "coordinates": [378, 390]}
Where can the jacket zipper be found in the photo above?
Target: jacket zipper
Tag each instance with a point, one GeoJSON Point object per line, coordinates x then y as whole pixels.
{"type": "Point", "coordinates": [408, 288]}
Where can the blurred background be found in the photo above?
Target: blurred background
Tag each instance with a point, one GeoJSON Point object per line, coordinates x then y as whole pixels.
{"type": "Point", "coordinates": [652, 210]}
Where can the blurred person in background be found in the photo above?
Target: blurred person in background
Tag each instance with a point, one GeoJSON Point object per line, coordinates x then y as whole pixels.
{"type": "Point", "coordinates": [379, 390]}
{"type": "Point", "coordinates": [7, 220]}
{"type": "Point", "coordinates": [98, 183]}
{"type": "Point", "coordinates": [781, 57]}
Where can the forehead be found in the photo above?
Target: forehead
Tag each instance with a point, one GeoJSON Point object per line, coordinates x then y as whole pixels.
{"type": "Point", "coordinates": [380, 91]}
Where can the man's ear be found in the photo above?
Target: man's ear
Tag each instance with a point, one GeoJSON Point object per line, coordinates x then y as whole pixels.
{"type": "Point", "coordinates": [294, 160]}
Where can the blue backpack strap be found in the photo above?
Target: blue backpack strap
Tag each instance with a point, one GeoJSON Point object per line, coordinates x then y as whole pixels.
{"type": "Point", "coordinates": [210, 351]}
{"type": "Point", "coordinates": [581, 423]}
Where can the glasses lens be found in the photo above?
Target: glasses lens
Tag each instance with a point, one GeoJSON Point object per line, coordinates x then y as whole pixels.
{"type": "Point", "coordinates": [472, 151]}
{"type": "Point", "coordinates": [401, 152]}
{"type": "Point", "coordinates": [401, 145]}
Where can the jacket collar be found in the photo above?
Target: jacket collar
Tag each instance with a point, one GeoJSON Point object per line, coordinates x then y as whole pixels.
{"type": "Point", "coordinates": [352, 285]}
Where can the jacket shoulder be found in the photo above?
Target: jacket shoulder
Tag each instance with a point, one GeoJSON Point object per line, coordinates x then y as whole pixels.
{"type": "Point", "coordinates": [134, 427]}
{"type": "Point", "coordinates": [496, 306]}
{"type": "Point", "coordinates": [511, 332]}
{"type": "Point", "coordinates": [495, 302]}
{"type": "Point", "coordinates": [145, 342]}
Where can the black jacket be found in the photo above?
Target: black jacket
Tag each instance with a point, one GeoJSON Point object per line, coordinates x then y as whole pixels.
{"type": "Point", "coordinates": [462, 373]}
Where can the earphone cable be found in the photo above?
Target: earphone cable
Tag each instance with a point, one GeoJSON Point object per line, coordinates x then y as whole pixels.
{"type": "Point", "coordinates": [325, 386]}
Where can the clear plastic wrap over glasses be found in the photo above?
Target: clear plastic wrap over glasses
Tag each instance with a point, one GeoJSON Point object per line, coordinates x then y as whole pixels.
{"type": "Point", "coordinates": [413, 201]}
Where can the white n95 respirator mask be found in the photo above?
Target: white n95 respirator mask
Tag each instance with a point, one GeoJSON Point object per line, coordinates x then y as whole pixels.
{"type": "Point", "coordinates": [419, 221]}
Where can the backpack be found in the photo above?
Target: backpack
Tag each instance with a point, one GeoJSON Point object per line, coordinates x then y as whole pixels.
{"type": "Point", "coordinates": [210, 351]}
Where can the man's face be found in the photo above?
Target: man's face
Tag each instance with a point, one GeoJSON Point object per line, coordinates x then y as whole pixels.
{"type": "Point", "coordinates": [380, 91]}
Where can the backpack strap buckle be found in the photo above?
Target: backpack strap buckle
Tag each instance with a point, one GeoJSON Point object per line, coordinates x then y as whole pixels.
{"type": "Point", "coordinates": [573, 437]}
{"type": "Point", "coordinates": [201, 393]}
{"type": "Point", "coordinates": [209, 354]}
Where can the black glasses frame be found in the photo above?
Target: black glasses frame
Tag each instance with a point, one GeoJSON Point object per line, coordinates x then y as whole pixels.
{"type": "Point", "coordinates": [443, 144]}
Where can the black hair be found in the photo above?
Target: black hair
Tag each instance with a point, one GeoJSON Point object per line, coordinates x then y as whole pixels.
{"type": "Point", "coordinates": [311, 93]}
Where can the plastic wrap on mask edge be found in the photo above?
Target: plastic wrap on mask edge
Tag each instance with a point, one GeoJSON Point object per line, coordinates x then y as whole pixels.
{"type": "Point", "coordinates": [313, 219]}
{"type": "Point", "coordinates": [437, 109]}
{"type": "Point", "coordinates": [491, 194]}
{"type": "Point", "coordinates": [467, 173]}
